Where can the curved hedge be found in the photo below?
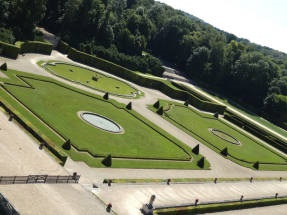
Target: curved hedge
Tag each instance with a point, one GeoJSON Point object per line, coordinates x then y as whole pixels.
{"type": "Point", "coordinates": [63, 47]}
{"type": "Point", "coordinates": [36, 47]}
{"type": "Point", "coordinates": [9, 50]}
{"type": "Point", "coordinates": [161, 85]}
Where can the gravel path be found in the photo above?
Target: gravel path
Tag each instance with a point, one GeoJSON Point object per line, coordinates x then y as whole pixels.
{"type": "Point", "coordinates": [20, 156]}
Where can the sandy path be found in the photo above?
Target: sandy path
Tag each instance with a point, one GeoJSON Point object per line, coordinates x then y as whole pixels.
{"type": "Point", "coordinates": [20, 155]}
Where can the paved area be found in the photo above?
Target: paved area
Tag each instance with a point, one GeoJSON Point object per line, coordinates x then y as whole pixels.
{"type": "Point", "coordinates": [20, 155]}
{"type": "Point", "coordinates": [129, 199]}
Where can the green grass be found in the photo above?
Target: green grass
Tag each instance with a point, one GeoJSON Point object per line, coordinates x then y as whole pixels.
{"type": "Point", "coordinates": [57, 105]}
{"type": "Point", "coordinates": [197, 124]}
{"type": "Point", "coordinates": [84, 76]}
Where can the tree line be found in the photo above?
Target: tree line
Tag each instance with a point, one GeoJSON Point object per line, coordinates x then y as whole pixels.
{"type": "Point", "coordinates": [122, 30]}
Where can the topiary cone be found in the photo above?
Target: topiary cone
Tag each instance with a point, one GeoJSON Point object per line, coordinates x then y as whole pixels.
{"type": "Point", "coordinates": [4, 66]}
{"type": "Point", "coordinates": [195, 150]}
{"type": "Point", "coordinates": [201, 162]}
{"type": "Point", "coordinates": [224, 152]}
{"type": "Point", "coordinates": [106, 96]}
{"type": "Point", "coordinates": [156, 105]}
{"type": "Point", "coordinates": [107, 161]}
{"type": "Point", "coordinates": [67, 145]}
{"type": "Point", "coordinates": [129, 106]}
{"type": "Point", "coordinates": [160, 111]}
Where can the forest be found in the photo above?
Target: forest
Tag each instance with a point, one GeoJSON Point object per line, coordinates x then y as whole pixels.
{"type": "Point", "coordinates": [141, 34]}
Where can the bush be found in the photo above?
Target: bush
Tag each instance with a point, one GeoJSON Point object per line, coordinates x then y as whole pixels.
{"type": "Point", "coordinates": [224, 152]}
{"type": "Point", "coordinates": [256, 165]}
{"type": "Point", "coordinates": [106, 96]}
{"type": "Point", "coordinates": [195, 150]}
{"type": "Point", "coordinates": [67, 145]}
{"type": "Point", "coordinates": [8, 50]}
{"type": "Point", "coordinates": [129, 106]}
{"type": "Point", "coordinates": [156, 105]}
{"type": "Point", "coordinates": [63, 47]}
{"type": "Point", "coordinates": [4, 66]}
{"type": "Point", "coordinates": [160, 111]}
{"type": "Point", "coordinates": [36, 47]}
{"type": "Point", "coordinates": [201, 162]}
{"type": "Point", "coordinates": [107, 161]}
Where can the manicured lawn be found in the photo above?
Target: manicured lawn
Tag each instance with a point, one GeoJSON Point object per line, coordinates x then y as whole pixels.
{"type": "Point", "coordinates": [85, 76]}
{"type": "Point", "coordinates": [198, 125]}
{"type": "Point", "coordinates": [57, 105]}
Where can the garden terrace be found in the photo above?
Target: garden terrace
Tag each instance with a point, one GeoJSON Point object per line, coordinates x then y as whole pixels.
{"type": "Point", "coordinates": [91, 78]}
{"type": "Point", "coordinates": [251, 152]}
{"type": "Point", "coordinates": [51, 108]}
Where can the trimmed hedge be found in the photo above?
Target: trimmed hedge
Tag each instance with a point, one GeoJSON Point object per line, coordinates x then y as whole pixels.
{"type": "Point", "coordinates": [9, 50]}
{"type": "Point", "coordinates": [63, 47]}
{"type": "Point", "coordinates": [256, 131]}
{"type": "Point", "coordinates": [36, 47]}
{"type": "Point", "coordinates": [163, 86]}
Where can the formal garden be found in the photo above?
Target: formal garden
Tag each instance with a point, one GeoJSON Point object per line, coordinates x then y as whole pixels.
{"type": "Point", "coordinates": [222, 136]}
{"type": "Point", "coordinates": [55, 112]}
{"type": "Point", "coordinates": [91, 78]}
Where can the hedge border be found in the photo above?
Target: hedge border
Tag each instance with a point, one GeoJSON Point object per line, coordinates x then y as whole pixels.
{"type": "Point", "coordinates": [9, 50]}
{"type": "Point", "coordinates": [36, 47]}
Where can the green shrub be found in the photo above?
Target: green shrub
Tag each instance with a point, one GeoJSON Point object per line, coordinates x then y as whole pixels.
{"type": "Point", "coordinates": [3, 67]}
{"type": "Point", "coordinates": [36, 47]}
{"type": "Point", "coordinates": [201, 162]}
{"type": "Point", "coordinates": [107, 161]}
{"type": "Point", "coordinates": [106, 96]}
{"type": "Point", "coordinates": [160, 110]}
{"type": "Point", "coordinates": [8, 50]}
{"type": "Point", "coordinates": [195, 150]}
{"type": "Point", "coordinates": [63, 47]}
{"type": "Point", "coordinates": [256, 165]}
{"type": "Point", "coordinates": [224, 152]}
{"type": "Point", "coordinates": [129, 106]}
{"type": "Point", "coordinates": [156, 105]}
{"type": "Point", "coordinates": [67, 145]}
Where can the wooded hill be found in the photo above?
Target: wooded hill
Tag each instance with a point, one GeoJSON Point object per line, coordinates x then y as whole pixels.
{"type": "Point", "coordinates": [122, 30]}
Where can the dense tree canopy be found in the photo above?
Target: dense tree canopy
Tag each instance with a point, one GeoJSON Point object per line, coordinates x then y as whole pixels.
{"type": "Point", "coordinates": [122, 30]}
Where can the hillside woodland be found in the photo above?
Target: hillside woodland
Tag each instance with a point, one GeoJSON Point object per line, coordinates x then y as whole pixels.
{"type": "Point", "coordinates": [137, 33]}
